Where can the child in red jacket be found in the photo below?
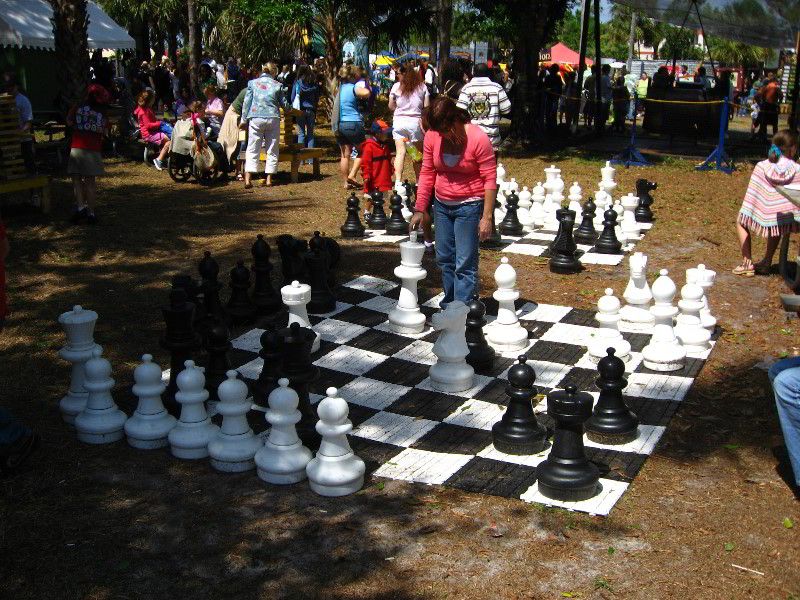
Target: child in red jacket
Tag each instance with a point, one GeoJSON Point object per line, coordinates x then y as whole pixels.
{"type": "Point", "coordinates": [376, 163]}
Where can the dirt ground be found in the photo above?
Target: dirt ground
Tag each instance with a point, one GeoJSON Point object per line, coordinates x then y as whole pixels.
{"type": "Point", "coordinates": [114, 522]}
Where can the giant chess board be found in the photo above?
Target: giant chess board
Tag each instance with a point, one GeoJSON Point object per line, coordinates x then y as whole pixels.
{"type": "Point", "coordinates": [532, 244]}
{"type": "Point", "coordinates": [405, 430]}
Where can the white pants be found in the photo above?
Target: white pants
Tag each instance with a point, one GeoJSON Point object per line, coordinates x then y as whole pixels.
{"type": "Point", "coordinates": [266, 131]}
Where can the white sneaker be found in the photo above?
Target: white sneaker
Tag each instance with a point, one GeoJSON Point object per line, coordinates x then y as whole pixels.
{"type": "Point", "coordinates": [158, 164]}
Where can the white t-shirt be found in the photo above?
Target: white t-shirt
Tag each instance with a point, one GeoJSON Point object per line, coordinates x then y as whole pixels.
{"type": "Point", "coordinates": [430, 75]}
{"type": "Point", "coordinates": [410, 106]}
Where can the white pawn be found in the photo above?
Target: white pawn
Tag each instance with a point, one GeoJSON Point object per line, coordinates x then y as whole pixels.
{"type": "Point", "coordinates": [537, 212]}
{"type": "Point", "coordinates": [283, 459]}
{"type": "Point", "coordinates": [233, 447]}
{"type": "Point", "coordinates": [451, 373]}
{"type": "Point", "coordinates": [150, 425]}
{"type": "Point", "coordinates": [335, 470]}
{"type": "Point", "coordinates": [100, 422]}
{"type": "Point", "coordinates": [78, 326]}
{"type": "Point", "coordinates": [601, 201]}
{"type": "Point", "coordinates": [705, 279]}
{"type": "Point", "coordinates": [575, 193]}
{"type": "Point", "coordinates": [501, 173]}
{"type": "Point", "coordinates": [636, 315]}
{"type": "Point", "coordinates": [608, 335]}
{"type": "Point", "coordinates": [513, 186]}
{"type": "Point", "coordinates": [524, 205]}
{"type": "Point", "coordinates": [190, 437]}
{"type": "Point", "coordinates": [551, 215]}
{"type": "Point", "coordinates": [524, 198]}
{"type": "Point", "coordinates": [296, 298]}
{"type": "Point", "coordinates": [688, 326]}
{"type": "Point", "coordinates": [664, 352]}
{"type": "Point", "coordinates": [506, 333]}
{"type": "Point", "coordinates": [406, 316]}
{"type": "Point", "coordinates": [621, 236]}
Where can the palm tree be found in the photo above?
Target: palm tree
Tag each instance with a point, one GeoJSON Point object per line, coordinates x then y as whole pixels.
{"type": "Point", "coordinates": [70, 32]}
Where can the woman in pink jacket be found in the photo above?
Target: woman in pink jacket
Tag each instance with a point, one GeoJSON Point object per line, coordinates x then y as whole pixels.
{"type": "Point", "coordinates": [459, 176]}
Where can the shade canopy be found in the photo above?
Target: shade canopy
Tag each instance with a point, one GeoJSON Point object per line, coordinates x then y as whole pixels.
{"type": "Point", "coordinates": [765, 23]}
{"type": "Point", "coordinates": [563, 55]}
{"type": "Point", "coordinates": [27, 24]}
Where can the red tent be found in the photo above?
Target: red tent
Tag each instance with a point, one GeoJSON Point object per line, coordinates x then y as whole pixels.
{"type": "Point", "coordinates": [562, 54]}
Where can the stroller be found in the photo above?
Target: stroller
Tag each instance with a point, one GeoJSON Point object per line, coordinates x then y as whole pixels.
{"type": "Point", "coordinates": [191, 157]}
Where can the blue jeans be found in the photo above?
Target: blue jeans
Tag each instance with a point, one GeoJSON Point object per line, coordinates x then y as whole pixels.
{"type": "Point", "coordinates": [457, 249]}
{"type": "Point", "coordinates": [305, 126]}
{"type": "Point", "coordinates": [11, 430]}
{"type": "Point", "coordinates": [784, 376]}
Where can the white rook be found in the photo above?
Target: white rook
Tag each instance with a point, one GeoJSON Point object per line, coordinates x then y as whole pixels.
{"type": "Point", "coordinates": [296, 297]}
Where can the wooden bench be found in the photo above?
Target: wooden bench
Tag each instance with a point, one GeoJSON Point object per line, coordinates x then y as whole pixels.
{"type": "Point", "coordinates": [38, 183]}
{"type": "Point", "coordinates": [290, 151]}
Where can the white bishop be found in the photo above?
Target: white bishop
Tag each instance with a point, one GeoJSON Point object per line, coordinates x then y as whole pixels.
{"type": "Point", "coordinates": [688, 327]}
{"type": "Point", "coordinates": [664, 352]}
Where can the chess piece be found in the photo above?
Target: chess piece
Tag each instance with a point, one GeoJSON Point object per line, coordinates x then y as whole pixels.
{"type": "Point", "coordinates": [664, 352]}
{"type": "Point", "coordinates": [396, 225]}
{"type": "Point", "coordinates": [296, 298]}
{"type": "Point", "coordinates": [78, 325]}
{"type": "Point", "coordinates": [194, 293]}
{"type": "Point", "coordinates": [481, 354]}
{"type": "Point", "coordinates": [524, 198]}
{"type": "Point", "coordinates": [335, 470]}
{"type": "Point", "coordinates": [566, 474]}
{"type": "Point", "coordinates": [377, 219]}
{"type": "Point", "coordinates": [510, 224]}
{"type": "Point", "coordinates": [608, 243]}
{"type": "Point", "coordinates": [406, 316]}
{"type": "Point", "coordinates": [283, 458]}
{"type": "Point", "coordinates": [407, 213]}
{"type": "Point", "coordinates": [705, 279]}
{"type": "Point", "coordinates": [523, 209]}
{"type": "Point", "coordinates": [629, 225]}
{"type": "Point", "coordinates": [100, 421]}
{"type": "Point", "coordinates": [451, 373]}
{"type": "Point", "coordinates": [688, 327]}
{"type": "Point", "coordinates": [602, 201]}
{"type": "Point", "coordinates": [271, 353]}
{"type": "Point", "coordinates": [291, 250]}
{"type": "Point", "coordinates": [558, 188]}
{"type": "Point", "coordinates": [501, 173]}
{"type": "Point", "coordinates": [506, 333]}
{"type": "Point", "coordinates": [608, 335]}
{"type": "Point", "coordinates": [352, 225]}
{"type": "Point", "coordinates": [401, 190]}
{"type": "Point", "coordinates": [518, 432]}
{"type": "Point", "coordinates": [332, 252]}
{"type": "Point", "coordinates": [636, 315]}
{"type": "Point", "coordinates": [212, 305]}
{"type": "Point", "coordinates": [264, 296]}
{"type": "Point", "coordinates": [586, 233]}
{"type": "Point", "coordinates": [644, 213]}
{"type": "Point", "coordinates": [608, 173]}
{"type": "Point", "coordinates": [563, 259]}
{"type": "Point", "coordinates": [150, 425]}
{"type": "Point", "coordinates": [322, 299]}
{"type": "Point", "coordinates": [296, 366]}
{"type": "Point", "coordinates": [190, 437]}
{"type": "Point", "coordinates": [612, 422]}
{"type": "Point", "coordinates": [575, 193]}
{"type": "Point", "coordinates": [550, 178]}
{"type": "Point", "coordinates": [240, 307]}
{"type": "Point", "coordinates": [219, 363]}
{"type": "Point", "coordinates": [180, 340]}
{"type": "Point", "coordinates": [233, 448]}
{"type": "Point", "coordinates": [410, 188]}
{"type": "Point", "coordinates": [536, 213]}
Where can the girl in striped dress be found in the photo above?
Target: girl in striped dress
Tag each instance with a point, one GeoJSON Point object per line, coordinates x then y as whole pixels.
{"type": "Point", "coordinates": [765, 212]}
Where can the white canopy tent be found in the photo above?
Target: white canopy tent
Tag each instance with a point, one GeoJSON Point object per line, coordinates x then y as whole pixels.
{"type": "Point", "coordinates": [27, 24]}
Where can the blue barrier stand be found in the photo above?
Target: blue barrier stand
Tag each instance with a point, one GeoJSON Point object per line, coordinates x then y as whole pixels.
{"type": "Point", "coordinates": [718, 159]}
{"type": "Point", "coordinates": [631, 155]}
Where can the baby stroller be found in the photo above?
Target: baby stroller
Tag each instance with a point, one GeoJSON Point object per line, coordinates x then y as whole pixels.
{"type": "Point", "coordinates": [191, 157]}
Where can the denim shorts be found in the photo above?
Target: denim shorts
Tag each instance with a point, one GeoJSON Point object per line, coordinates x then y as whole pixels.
{"type": "Point", "coordinates": [351, 133]}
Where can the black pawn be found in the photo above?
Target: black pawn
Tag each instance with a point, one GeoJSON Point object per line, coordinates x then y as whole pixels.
{"type": "Point", "coordinates": [193, 289]}
{"type": "Point", "coordinates": [332, 251]}
{"type": "Point", "coordinates": [212, 305]}
{"type": "Point", "coordinates": [179, 339]}
{"type": "Point", "coordinates": [612, 422]}
{"type": "Point", "coordinates": [377, 219]}
{"type": "Point", "coordinates": [292, 266]}
{"type": "Point", "coordinates": [481, 355]}
{"type": "Point", "coordinates": [240, 307]}
{"type": "Point", "coordinates": [271, 352]}
{"type": "Point", "coordinates": [510, 224]}
{"type": "Point", "coordinates": [567, 474]}
{"type": "Point", "coordinates": [264, 296]}
{"type": "Point", "coordinates": [518, 432]}
{"type": "Point", "coordinates": [352, 225]}
{"type": "Point", "coordinates": [608, 243]}
{"type": "Point", "coordinates": [297, 367]}
{"type": "Point", "coordinates": [586, 233]}
{"type": "Point", "coordinates": [563, 258]}
{"type": "Point", "coordinates": [219, 363]}
{"type": "Point", "coordinates": [396, 225]}
{"type": "Point", "coordinates": [322, 299]}
{"type": "Point", "coordinates": [643, 213]}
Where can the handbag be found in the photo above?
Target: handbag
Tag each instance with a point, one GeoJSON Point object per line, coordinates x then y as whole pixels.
{"type": "Point", "coordinates": [296, 101]}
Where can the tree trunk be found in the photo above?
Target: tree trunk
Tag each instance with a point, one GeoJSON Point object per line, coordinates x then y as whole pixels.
{"type": "Point", "coordinates": [194, 43]}
{"type": "Point", "coordinates": [70, 34]}
{"type": "Point", "coordinates": [530, 37]}
{"type": "Point", "coordinates": [172, 41]}
{"type": "Point", "coordinates": [157, 40]}
{"type": "Point", "coordinates": [445, 30]}
{"type": "Point", "coordinates": [434, 39]}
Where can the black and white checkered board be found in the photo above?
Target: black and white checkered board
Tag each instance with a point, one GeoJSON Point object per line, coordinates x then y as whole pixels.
{"type": "Point", "coordinates": [531, 244]}
{"type": "Point", "coordinates": [405, 430]}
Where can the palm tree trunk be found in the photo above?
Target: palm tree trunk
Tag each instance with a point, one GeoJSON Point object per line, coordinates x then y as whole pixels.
{"type": "Point", "coordinates": [172, 41]}
{"type": "Point", "coordinates": [194, 43]}
{"type": "Point", "coordinates": [70, 33]}
{"type": "Point", "coordinates": [445, 16]}
{"type": "Point", "coordinates": [157, 39]}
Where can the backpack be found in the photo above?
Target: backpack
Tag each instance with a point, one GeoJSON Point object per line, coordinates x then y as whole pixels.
{"type": "Point", "coordinates": [433, 89]}
{"type": "Point", "coordinates": [367, 105]}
